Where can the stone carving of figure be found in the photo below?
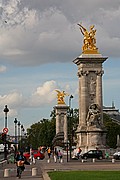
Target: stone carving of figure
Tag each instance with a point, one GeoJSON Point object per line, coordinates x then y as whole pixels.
{"type": "Point", "coordinates": [89, 42]}
{"type": "Point", "coordinates": [92, 86]}
{"type": "Point", "coordinates": [93, 117]}
{"type": "Point", "coordinates": [60, 96]}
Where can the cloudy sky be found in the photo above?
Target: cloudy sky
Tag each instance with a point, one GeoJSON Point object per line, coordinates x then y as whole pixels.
{"type": "Point", "coordinates": [39, 39]}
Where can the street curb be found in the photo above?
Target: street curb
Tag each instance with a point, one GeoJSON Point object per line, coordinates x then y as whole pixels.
{"type": "Point", "coordinates": [45, 176]}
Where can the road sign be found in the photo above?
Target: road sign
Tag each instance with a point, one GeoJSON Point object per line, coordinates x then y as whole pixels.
{"type": "Point", "coordinates": [5, 130]}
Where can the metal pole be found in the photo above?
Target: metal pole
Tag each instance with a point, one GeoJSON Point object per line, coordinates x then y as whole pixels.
{"type": "Point", "coordinates": [67, 151]}
{"type": "Point", "coordinates": [70, 124]}
{"type": "Point", "coordinates": [15, 121]}
{"type": "Point", "coordinates": [6, 110]}
{"type": "Point", "coordinates": [18, 134]}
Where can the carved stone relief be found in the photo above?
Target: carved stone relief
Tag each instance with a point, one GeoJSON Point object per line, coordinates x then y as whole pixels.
{"type": "Point", "coordinates": [94, 116]}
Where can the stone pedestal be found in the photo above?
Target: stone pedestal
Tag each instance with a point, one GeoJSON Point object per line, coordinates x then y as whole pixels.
{"type": "Point", "coordinates": [61, 124]}
{"type": "Point", "coordinates": [91, 132]}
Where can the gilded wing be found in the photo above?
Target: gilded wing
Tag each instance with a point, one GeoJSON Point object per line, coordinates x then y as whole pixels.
{"type": "Point", "coordinates": [57, 91]}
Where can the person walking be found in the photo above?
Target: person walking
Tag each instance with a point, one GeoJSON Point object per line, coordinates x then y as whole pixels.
{"type": "Point", "coordinates": [78, 152]}
{"type": "Point", "coordinates": [59, 156]}
{"type": "Point", "coordinates": [49, 154]}
{"type": "Point", "coordinates": [20, 160]}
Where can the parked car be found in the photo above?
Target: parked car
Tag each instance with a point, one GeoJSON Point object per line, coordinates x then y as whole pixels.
{"type": "Point", "coordinates": [116, 155]}
{"type": "Point", "coordinates": [92, 154]}
{"type": "Point", "coordinates": [36, 154]}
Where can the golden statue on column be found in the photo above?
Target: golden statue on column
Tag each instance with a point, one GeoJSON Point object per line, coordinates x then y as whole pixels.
{"type": "Point", "coordinates": [89, 42]}
{"type": "Point", "coordinates": [60, 96]}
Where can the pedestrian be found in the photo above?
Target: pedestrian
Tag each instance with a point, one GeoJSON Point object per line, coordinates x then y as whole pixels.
{"type": "Point", "coordinates": [49, 154]}
{"type": "Point", "coordinates": [78, 152]}
{"type": "Point", "coordinates": [107, 155]}
{"type": "Point", "coordinates": [59, 156]}
{"type": "Point", "coordinates": [20, 160]}
{"type": "Point", "coordinates": [55, 155]}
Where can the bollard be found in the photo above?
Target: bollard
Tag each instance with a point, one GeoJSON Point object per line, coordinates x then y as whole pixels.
{"type": "Point", "coordinates": [6, 173]}
{"type": "Point", "coordinates": [34, 171]}
{"type": "Point", "coordinates": [34, 161]}
{"type": "Point", "coordinates": [55, 159]}
{"type": "Point", "coordinates": [48, 160]}
{"type": "Point", "coordinates": [113, 160]}
{"type": "Point", "coordinates": [82, 160]}
{"type": "Point", "coordinates": [61, 160]}
{"type": "Point", "coordinates": [93, 160]}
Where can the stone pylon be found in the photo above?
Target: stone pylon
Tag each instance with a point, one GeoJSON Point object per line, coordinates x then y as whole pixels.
{"type": "Point", "coordinates": [91, 133]}
{"type": "Point", "coordinates": [61, 120]}
{"type": "Point", "coordinates": [61, 109]}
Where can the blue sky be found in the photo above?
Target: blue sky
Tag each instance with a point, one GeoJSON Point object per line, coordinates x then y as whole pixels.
{"type": "Point", "coordinates": [38, 42]}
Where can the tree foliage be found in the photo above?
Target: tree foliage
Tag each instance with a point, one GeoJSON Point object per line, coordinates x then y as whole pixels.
{"type": "Point", "coordinates": [41, 133]}
{"type": "Point", "coordinates": [113, 129]}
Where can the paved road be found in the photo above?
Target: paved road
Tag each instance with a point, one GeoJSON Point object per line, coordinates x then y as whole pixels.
{"type": "Point", "coordinates": [100, 165]}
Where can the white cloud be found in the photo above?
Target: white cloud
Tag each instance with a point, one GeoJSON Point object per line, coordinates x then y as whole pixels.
{"type": "Point", "coordinates": [13, 99]}
{"type": "Point", "coordinates": [47, 31]}
{"type": "Point", "coordinates": [3, 69]}
{"type": "Point", "coordinates": [44, 94]}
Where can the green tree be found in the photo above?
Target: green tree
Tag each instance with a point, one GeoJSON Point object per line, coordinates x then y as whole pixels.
{"type": "Point", "coordinates": [41, 133]}
{"type": "Point", "coordinates": [113, 129]}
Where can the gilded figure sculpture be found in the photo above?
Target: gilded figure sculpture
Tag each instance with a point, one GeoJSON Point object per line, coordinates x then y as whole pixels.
{"type": "Point", "coordinates": [89, 41]}
{"type": "Point", "coordinates": [60, 96]}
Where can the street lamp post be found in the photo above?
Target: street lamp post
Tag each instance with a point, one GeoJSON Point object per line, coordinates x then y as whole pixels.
{"type": "Point", "coordinates": [66, 144]}
{"type": "Point", "coordinates": [21, 135]}
{"type": "Point", "coordinates": [16, 140]}
{"type": "Point", "coordinates": [18, 133]}
{"type": "Point", "coordinates": [15, 121]}
{"type": "Point", "coordinates": [70, 112]}
{"type": "Point", "coordinates": [21, 130]}
{"type": "Point", "coordinates": [6, 110]}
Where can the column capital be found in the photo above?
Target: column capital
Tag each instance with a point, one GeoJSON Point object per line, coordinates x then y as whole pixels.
{"type": "Point", "coordinates": [82, 73]}
{"type": "Point", "coordinates": [99, 73]}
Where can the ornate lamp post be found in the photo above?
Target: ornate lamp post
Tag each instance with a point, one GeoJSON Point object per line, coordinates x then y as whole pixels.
{"type": "Point", "coordinates": [15, 121]}
{"type": "Point", "coordinates": [21, 130]}
{"type": "Point", "coordinates": [18, 133]}
{"type": "Point", "coordinates": [21, 140]}
{"type": "Point", "coordinates": [16, 140]}
{"type": "Point", "coordinates": [70, 133]}
{"type": "Point", "coordinates": [6, 110]}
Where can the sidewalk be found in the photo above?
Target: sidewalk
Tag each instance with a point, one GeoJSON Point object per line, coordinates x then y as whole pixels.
{"type": "Point", "coordinates": [26, 174]}
{"type": "Point", "coordinates": [43, 167]}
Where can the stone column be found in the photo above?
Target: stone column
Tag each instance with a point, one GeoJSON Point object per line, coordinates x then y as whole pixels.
{"type": "Point", "coordinates": [57, 123]}
{"type": "Point", "coordinates": [83, 97]}
{"type": "Point", "coordinates": [61, 124]}
{"type": "Point", "coordinates": [65, 128]}
{"type": "Point", "coordinates": [99, 91]}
